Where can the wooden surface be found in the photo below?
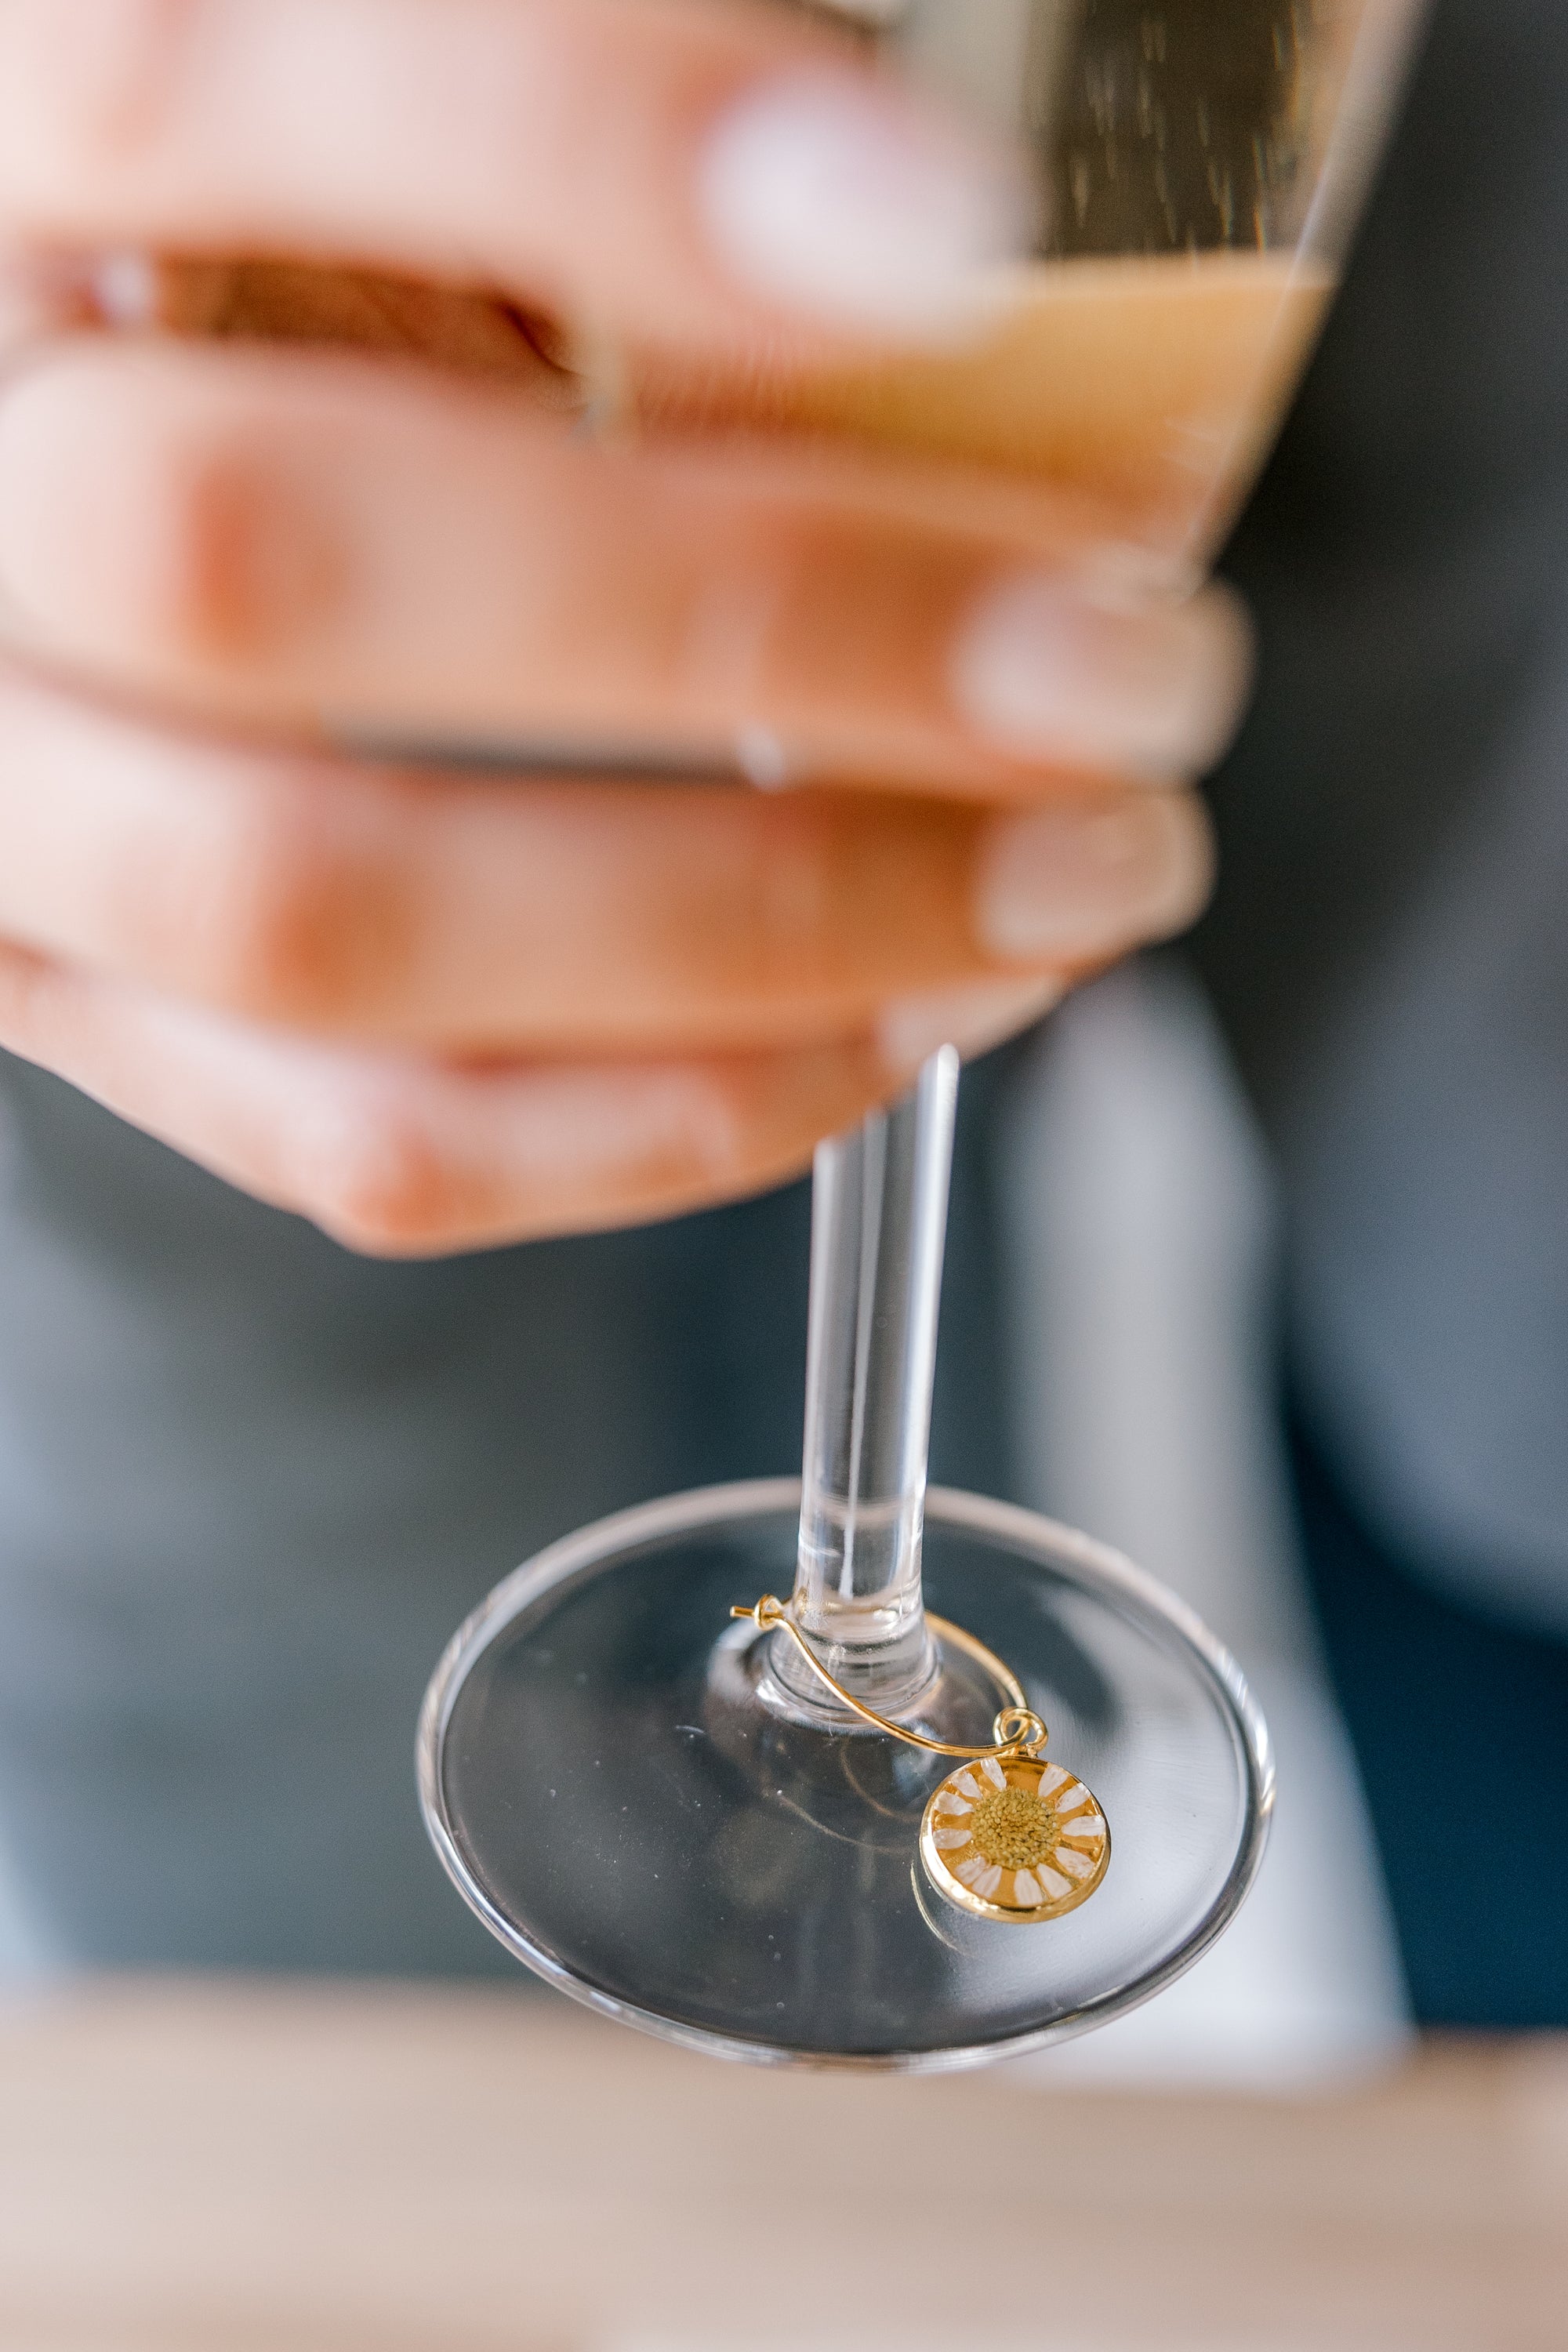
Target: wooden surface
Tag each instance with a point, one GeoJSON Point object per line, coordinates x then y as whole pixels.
{"type": "Point", "coordinates": [224, 2166]}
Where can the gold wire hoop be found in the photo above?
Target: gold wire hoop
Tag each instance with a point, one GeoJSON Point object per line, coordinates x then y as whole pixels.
{"type": "Point", "coordinates": [769, 1616]}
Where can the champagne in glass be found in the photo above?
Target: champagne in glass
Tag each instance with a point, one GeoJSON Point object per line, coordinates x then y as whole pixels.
{"type": "Point", "coordinates": [1200, 166]}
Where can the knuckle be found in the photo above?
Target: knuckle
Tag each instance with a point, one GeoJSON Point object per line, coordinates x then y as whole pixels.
{"type": "Point", "coordinates": [898, 585]}
{"type": "Point", "coordinates": [371, 1174]}
{"type": "Point", "coordinates": [238, 564]}
{"type": "Point", "coordinates": [786, 900]}
{"type": "Point", "coordinates": [826, 875]}
{"type": "Point", "coordinates": [282, 922]}
{"type": "Point", "coordinates": [772, 924]}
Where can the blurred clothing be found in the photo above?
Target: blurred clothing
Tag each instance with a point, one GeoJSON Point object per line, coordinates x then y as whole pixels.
{"type": "Point", "coordinates": [1460, 1726]}
{"type": "Point", "coordinates": [1389, 943]}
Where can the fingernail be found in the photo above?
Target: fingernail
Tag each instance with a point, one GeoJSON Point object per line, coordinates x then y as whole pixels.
{"type": "Point", "coordinates": [1076, 882]}
{"type": "Point", "coordinates": [974, 1019]}
{"type": "Point", "coordinates": [854, 205]}
{"type": "Point", "coordinates": [1153, 688]}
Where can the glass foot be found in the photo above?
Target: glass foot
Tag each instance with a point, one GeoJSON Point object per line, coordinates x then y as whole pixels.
{"type": "Point", "coordinates": [613, 1797]}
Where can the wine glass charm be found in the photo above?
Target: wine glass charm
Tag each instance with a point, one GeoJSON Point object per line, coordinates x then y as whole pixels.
{"type": "Point", "coordinates": [1009, 1836]}
{"type": "Point", "coordinates": [1014, 1838]}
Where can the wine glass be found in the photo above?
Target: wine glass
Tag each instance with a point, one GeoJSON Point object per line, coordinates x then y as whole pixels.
{"type": "Point", "coordinates": [688, 1822]}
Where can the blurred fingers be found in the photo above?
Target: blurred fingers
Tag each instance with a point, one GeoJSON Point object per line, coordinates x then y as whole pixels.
{"type": "Point", "coordinates": [447, 911]}
{"type": "Point", "coordinates": [313, 542]}
{"type": "Point", "coordinates": [400, 1155]}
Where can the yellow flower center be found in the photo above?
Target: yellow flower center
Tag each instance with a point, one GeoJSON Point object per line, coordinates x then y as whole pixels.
{"type": "Point", "coordinates": [1013, 1828]}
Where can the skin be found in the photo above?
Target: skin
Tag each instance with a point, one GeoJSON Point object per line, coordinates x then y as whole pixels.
{"type": "Point", "coordinates": [428, 1009]}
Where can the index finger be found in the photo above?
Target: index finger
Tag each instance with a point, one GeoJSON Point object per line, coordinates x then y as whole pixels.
{"type": "Point", "coordinates": [678, 172]}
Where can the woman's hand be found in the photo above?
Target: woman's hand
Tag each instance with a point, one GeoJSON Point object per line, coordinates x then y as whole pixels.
{"type": "Point", "coordinates": [432, 1011]}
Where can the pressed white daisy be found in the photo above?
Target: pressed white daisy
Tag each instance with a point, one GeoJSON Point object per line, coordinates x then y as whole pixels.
{"type": "Point", "coordinates": [1014, 1838]}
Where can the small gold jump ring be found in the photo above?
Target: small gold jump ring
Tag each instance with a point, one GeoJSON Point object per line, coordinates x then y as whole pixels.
{"type": "Point", "coordinates": [1030, 1733]}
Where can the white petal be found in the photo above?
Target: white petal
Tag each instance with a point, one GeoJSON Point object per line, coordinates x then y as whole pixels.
{"type": "Point", "coordinates": [993, 1772]}
{"type": "Point", "coordinates": [950, 1841]}
{"type": "Point", "coordinates": [1081, 1826]}
{"type": "Point", "coordinates": [950, 1802]}
{"type": "Point", "coordinates": [982, 1876]}
{"type": "Point", "coordinates": [1053, 1777]}
{"type": "Point", "coordinates": [1055, 1884]}
{"type": "Point", "coordinates": [968, 1783]}
{"type": "Point", "coordinates": [1076, 1865]}
{"type": "Point", "coordinates": [1026, 1889]}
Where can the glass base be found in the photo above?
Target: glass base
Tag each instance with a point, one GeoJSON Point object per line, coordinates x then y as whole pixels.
{"type": "Point", "coordinates": [609, 1793]}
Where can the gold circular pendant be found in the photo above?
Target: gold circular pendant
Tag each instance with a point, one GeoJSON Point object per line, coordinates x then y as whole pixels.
{"type": "Point", "coordinates": [1014, 1838]}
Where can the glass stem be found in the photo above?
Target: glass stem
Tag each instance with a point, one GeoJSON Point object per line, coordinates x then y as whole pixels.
{"type": "Point", "coordinates": [878, 1225]}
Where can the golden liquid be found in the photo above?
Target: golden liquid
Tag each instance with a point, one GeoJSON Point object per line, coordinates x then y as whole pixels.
{"type": "Point", "coordinates": [1147, 388]}
{"type": "Point", "coordinates": [1150, 388]}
